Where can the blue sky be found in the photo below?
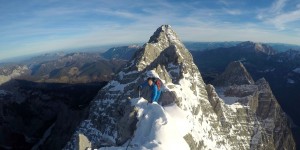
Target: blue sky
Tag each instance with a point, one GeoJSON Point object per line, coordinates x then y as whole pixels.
{"type": "Point", "coordinates": [31, 26]}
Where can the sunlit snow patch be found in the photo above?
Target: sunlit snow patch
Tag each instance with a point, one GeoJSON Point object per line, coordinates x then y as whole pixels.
{"type": "Point", "coordinates": [227, 99]}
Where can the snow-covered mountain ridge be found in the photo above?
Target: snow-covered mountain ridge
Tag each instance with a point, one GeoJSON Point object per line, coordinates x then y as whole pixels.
{"type": "Point", "coordinates": [194, 112]}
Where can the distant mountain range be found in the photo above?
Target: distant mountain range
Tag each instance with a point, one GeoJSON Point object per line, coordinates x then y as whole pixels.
{"type": "Point", "coordinates": [123, 52]}
{"type": "Point", "coordinates": [66, 68]}
{"type": "Point", "coordinates": [200, 46]}
{"type": "Point", "coordinates": [75, 68]}
{"type": "Point", "coordinates": [192, 46]}
{"type": "Point", "coordinates": [78, 67]}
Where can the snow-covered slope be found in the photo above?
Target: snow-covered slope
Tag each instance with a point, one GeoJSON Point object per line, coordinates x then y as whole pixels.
{"type": "Point", "coordinates": [194, 116]}
{"type": "Point", "coordinates": [158, 127]}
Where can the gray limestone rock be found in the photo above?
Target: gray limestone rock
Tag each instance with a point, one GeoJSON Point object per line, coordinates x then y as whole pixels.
{"type": "Point", "coordinates": [267, 123]}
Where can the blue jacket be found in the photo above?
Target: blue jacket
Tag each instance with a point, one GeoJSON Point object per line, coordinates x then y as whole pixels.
{"type": "Point", "coordinates": [155, 92]}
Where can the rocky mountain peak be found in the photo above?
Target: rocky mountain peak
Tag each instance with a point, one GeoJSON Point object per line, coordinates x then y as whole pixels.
{"type": "Point", "coordinates": [163, 47]}
{"type": "Point", "coordinates": [235, 74]}
{"type": "Point", "coordinates": [257, 47]}
{"type": "Point", "coordinates": [112, 117]}
{"type": "Point", "coordinates": [165, 35]}
{"type": "Point", "coordinates": [246, 43]}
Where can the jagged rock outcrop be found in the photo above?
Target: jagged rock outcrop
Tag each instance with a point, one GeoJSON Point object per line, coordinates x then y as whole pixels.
{"type": "Point", "coordinates": [266, 120]}
{"type": "Point", "coordinates": [213, 123]}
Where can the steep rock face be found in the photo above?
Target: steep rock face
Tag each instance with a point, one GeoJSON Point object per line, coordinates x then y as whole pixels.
{"type": "Point", "coordinates": [272, 118]}
{"type": "Point", "coordinates": [278, 70]}
{"type": "Point", "coordinates": [213, 124]}
{"type": "Point", "coordinates": [267, 123]}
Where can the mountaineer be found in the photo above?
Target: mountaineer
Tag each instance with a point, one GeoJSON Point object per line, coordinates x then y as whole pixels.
{"type": "Point", "coordinates": [155, 86]}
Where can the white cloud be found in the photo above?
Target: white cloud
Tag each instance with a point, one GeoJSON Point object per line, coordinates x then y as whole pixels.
{"type": "Point", "coordinates": [276, 16]}
{"type": "Point", "coordinates": [275, 9]}
{"type": "Point", "coordinates": [281, 20]}
{"type": "Point", "coordinates": [233, 11]}
{"type": "Point", "coordinates": [224, 2]}
{"type": "Point", "coordinates": [277, 6]}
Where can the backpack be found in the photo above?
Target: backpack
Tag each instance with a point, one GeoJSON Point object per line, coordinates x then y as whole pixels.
{"type": "Point", "coordinates": [158, 82]}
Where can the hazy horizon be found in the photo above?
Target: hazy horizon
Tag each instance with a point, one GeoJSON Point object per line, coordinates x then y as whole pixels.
{"type": "Point", "coordinates": [29, 27]}
{"type": "Point", "coordinates": [103, 48]}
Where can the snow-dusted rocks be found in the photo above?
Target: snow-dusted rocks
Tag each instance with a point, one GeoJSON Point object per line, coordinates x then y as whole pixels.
{"type": "Point", "coordinates": [12, 72]}
{"type": "Point", "coordinates": [257, 110]}
{"type": "Point", "coordinates": [193, 116]}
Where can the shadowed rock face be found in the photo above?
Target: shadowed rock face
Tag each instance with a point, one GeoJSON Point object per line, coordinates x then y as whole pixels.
{"type": "Point", "coordinates": [228, 117]}
{"type": "Point", "coordinates": [42, 115]}
{"type": "Point", "coordinates": [235, 74]}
